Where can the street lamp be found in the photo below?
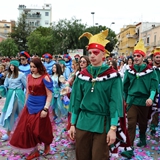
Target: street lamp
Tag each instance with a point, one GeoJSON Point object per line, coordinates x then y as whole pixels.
{"type": "Point", "coordinates": [96, 24]}
{"type": "Point", "coordinates": [93, 17]}
{"type": "Point", "coordinates": [111, 24]}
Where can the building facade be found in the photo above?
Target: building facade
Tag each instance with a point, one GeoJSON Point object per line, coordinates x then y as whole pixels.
{"type": "Point", "coordinates": [6, 27]}
{"type": "Point", "coordinates": [126, 40]}
{"type": "Point", "coordinates": [131, 34]}
{"type": "Point", "coordinates": [37, 16]}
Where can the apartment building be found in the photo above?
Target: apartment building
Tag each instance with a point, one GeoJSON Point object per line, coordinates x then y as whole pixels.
{"type": "Point", "coordinates": [129, 36]}
{"type": "Point", "coordinates": [6, 27]}
{"type": "Point", "coordinates": [126, 40]}
{"type": "Point", "coordinates": [37, 15]}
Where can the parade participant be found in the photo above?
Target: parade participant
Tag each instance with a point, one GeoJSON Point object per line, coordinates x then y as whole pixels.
{"type": "Point", "coordinates": [140, 87]}
{"type": "Point", "coordinates": [24, 63]}
{"type": "Point", "coordinates": [68, 61]}
{"type": "Point", "coordinates": [34, 125]}
{"type": "Point", "coordinates": [48, 62]}
{"type": "Point", "coordinates": [57, 104]}
{"type": "Point", "coordinates": [77, 57]}
{"type": "Point", "coordinates": [14, 82]}
{"type": "Point", "coordinates": [93, 105]}
{"type": "Point", "coordinates": [155, 109]}
{"type": "Point", "coordinates": [66, 71]}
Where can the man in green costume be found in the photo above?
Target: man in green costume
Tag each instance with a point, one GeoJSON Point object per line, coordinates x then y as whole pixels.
{"type": "Point", "coordinates": [140, 87]}
{"type": "Point", "coordinates": [156, 107]}
{"type": "Point", "coordinates": [96, 103]}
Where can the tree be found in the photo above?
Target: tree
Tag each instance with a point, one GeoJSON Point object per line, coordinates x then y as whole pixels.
{"type": "Point", "coordinates": [8, 47]}
{"type": "Point", "coordinates": [40, 41]}
{"type": "Point", "coordinates": [20, 33]}
{"type": "Point", "coordinates": [66, 34]}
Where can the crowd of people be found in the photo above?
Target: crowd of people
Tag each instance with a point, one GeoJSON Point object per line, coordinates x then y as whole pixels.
{"type": "Point", "coordinates": [104, 99]}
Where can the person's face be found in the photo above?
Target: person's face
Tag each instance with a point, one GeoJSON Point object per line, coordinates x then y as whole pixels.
{"type": "Point", "coordinates": [46, 60]}
{"type": "Point", "coordinates": [156, 59]}
{"type": "Point", "coordinates": [149, 60]}
{"type": "Point", "coordinates": [11, 67]}
{"type": "Point", "coordinates": [110, 63]}
{"type": "Point", "coordinates": [73, 66]}
{"type": "Point", "coordinates": [138, 59]}
{"type": "Point", "coordinates": [83, 63]}
{"type": "Point", "coordinates": [96, 56]}
{"type": "Point", "coordinates": [23, 60]}
{"type": "Point", "coordinates": [129, 62]}
{"type": "Point", "coordinates": [33, 68]}
{"type": "Point", "coordinates": [54, 69]}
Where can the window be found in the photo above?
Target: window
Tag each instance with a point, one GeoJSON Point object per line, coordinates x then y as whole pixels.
{"type": "Point", "coordinates": [147, 40]}
{"type": "Point", "coordinates": [154, 39]}
{"type": "Point", "coordinates": [46, 13]}
{"type": "Point", "coordinates": [46, 22]}
{"type": "Point", "coordinates": [5, 31]}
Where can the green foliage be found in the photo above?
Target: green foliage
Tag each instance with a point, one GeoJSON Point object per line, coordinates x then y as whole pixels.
{"type": "Point", "coordinates": [20, 33]}
{"type": "Point", "coordinates": [57, 38]}
{"type": "Point", "coordinates": [8, 47]}
{"type": "Point", "coordinates": [66, 34]}
{"type": "Point", "coordinates": [40, 41]}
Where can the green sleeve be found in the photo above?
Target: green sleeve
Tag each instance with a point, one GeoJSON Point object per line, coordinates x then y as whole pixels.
{"type": "Point", "coordinates": [154, 82]}
{"type": "Point", "coordinates": [152, 95]}
{"type": "Point", "coordinates": [76, 97]}
{"type": "Point", "coordinates": [73, 118]}
{"type": "Point", "coordinates": [114, 121]}
{"type": "Point", "coordinates": [126, 84]}
{"type": "Point", "coordinates": [116, 98]}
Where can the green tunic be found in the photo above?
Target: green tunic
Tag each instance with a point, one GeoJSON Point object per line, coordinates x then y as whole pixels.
{"type": "Point", "coordinates": [138, 85]}
{"type": "Point", "coordinates": [105, 102]}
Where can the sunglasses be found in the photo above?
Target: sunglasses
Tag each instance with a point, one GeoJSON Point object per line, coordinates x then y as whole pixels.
{"type": "Point", "coordinates": [81, 61]}
{"type": "Point", "coordinates": [137, 55]}
{"type": "Point", "coordinates": [96, 52]}
{"type": "Point", "coordinates": [22, 59]}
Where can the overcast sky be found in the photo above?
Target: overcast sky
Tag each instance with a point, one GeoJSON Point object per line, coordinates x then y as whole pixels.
{"type": "Point", "coordinates": [122, 12]}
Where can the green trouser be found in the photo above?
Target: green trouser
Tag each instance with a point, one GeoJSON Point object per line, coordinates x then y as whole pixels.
{"type": "Point", "coordinates": [137, 114]}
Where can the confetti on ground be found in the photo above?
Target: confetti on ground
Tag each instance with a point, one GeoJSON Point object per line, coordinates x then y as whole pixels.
{"type": "Point", "coordinates": [62, 148]}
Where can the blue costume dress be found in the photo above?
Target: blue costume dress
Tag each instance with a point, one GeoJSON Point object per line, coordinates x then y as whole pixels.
{"type": "Point", "coordinates": [31, 128]}
{"type": "Point", "coordinates": [15, 98]}
{"type": "Point", "coordinates": [57, 102]}
{"type": "Point", "coordinates": [25, 69]}
{"type": "Point", "coordinates": [49, 66]}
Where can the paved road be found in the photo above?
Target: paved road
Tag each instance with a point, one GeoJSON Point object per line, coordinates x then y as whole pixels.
{"type": "Point", "coordinates": [63, 149]}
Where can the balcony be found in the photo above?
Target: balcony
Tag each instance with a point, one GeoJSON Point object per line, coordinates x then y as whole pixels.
{"type": "Point", "coordinates": [146, 45]}
{"type": "Point", "coordinates": [129, 36]}
{"type": "Point", "coordinates": [129, 45]}
{"type": "Point", "coordinates": [33, 16]}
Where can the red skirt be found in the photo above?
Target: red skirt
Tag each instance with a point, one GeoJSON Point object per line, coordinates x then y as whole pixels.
{"type": "Point", "coordinates": [31, 130]}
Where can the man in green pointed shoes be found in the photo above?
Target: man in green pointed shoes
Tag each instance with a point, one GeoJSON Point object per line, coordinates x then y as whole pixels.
{"type": "Point", "coordinates": [94, 105]}
{"type": "Point", "coordinates": [140, 87]}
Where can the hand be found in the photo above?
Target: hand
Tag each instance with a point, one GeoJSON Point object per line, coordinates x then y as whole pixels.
{"type": "Point", "coordinates": [149, 102]}
{"type": "Point", "coordinates": [72, 133]}
{"type": "Point", "coordinates": [43, 114]}
{"type": "Point", "coordinates": [111, 137]}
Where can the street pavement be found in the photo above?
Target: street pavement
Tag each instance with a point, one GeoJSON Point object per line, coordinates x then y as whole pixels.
{"type": "Point", "coordinates": [62, 148]}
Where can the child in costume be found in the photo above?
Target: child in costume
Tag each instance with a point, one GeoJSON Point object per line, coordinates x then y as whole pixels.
{"type": "Point", "coordinates": [14, 83]}
{"type": "Point", "coordinates": [57, 104]}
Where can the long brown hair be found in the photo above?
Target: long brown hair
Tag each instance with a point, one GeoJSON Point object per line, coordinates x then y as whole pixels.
{"type": "Point", "coordinates": [15, 72]}
{"type": "Point", "coordinates": [39, 65]}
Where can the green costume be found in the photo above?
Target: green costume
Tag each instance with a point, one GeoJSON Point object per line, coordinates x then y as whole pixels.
{"type": "Point", "coordinates": [91, 109]}
{"type": "Point", "coordinates": [140, 83]}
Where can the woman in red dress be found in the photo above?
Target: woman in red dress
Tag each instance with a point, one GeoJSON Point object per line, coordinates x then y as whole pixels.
{"type": "Point", "coordinates": [34, 125]}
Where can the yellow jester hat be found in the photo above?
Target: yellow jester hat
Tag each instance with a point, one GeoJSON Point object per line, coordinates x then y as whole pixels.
{"type": "Point", "coordinates": [140, 48]}
{"type": "Point", "coordinates": [98, 41]}
{"type": "Point", "coordinates": [156, 51]}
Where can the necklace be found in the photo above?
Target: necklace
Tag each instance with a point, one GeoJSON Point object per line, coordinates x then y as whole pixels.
{"type": "Point", "coordinates": [32, 90]}
{"type": "Point", "coordinates": [94, 79]}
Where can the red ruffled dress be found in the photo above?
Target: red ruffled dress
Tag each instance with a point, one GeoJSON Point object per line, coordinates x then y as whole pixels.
{"type": "Point", "coordinates": [31, 129]}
